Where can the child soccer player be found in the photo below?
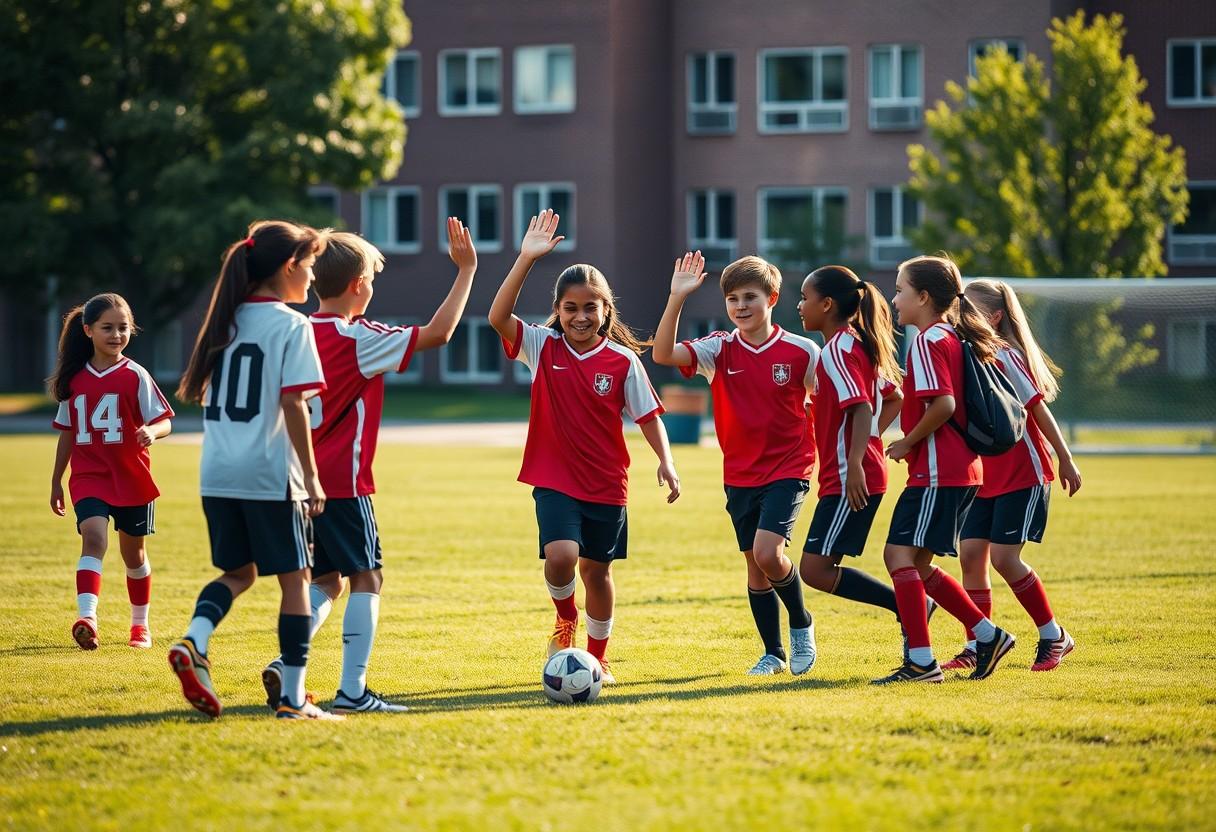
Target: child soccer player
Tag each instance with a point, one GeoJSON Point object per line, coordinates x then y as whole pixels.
{"type": "Point", "coordinates": [356, 353]}
{"type": "Point", "coordinates": [760, 376]}
{"type": "Point", "coordinates": [585, 375]}
{"type": "Point", "coordinates": [110, 412]}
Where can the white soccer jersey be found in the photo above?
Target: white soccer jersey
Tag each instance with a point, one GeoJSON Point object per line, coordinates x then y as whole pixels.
{"type": "Point", "coordinates": [247, 453]}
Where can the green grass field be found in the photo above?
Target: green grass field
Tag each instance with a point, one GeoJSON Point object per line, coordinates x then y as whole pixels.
{"type": "Point", "coordinates": [1121, 736]}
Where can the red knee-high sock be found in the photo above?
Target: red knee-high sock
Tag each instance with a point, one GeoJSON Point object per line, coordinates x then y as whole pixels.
{"type": "Point", "coordinates": [566, 608]}
{"type": "Point", "coordinates": [950, 594]}
{"type": "Point", "coordinates": [982, 598]}
{"type": "Point", "coordinates": [597, 647]}
{"type": "Point", "coordinates": [910, 598]}
{"type": "Point", "coordinates": [1031, 595]}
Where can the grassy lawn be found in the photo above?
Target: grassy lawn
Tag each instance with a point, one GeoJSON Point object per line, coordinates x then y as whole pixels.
{"type": "Point", "coordinates": [1120, 737]}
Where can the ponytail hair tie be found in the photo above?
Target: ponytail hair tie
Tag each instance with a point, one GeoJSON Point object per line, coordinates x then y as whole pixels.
{"type": "Point", "coordinates": [961, 295]}
{"type": "Point", "coordinates": [248, 243]}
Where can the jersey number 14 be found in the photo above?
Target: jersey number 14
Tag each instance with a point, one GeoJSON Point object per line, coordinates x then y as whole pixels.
{"type": "Point", "coordinates": [105, 418]}
{"type": "Point", "coordinates": [246, 360]}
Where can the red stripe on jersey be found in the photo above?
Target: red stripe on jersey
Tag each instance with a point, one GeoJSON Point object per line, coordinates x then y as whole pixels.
{"type": "Point", "coordinates": [946, 460]}
{"type": "Point", "coordinates": [1028, 463]}
{"type": "Point", "coordinates": [833, 430]}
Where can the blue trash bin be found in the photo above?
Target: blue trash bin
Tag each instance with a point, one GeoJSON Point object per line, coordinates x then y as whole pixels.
{"type": "Point", "coordinates": [685, 408]}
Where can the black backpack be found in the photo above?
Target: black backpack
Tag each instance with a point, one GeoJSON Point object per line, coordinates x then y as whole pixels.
{"type": "Point", "coordinates": [996, 419]}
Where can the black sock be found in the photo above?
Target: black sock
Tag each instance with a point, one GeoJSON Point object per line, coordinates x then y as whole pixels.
{"type": "Point", "coordinates": [789, 590]}
{"type": "Point", "coordinates": [766, 609]}
{"type": "Point", "coordinates": [294, 639]}
{"type": "Point", "coordinates": [858, 586]}
{"type": "Point", "coordinates": [213, 602]}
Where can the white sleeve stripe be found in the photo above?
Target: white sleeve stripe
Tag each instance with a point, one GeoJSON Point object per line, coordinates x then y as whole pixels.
{"type": "Point", "coordinates": [920, 372]}
{"type": "Point", "coordinates": [843, 369]}
{"type": "Point", "coordinates": [830, 362]}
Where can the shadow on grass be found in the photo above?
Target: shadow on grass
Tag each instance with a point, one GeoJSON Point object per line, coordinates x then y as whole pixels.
{"type": "Point", "coordinates": [101, 722]}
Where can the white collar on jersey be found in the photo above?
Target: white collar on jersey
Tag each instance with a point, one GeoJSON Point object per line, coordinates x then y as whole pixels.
{"type": "Point", "coordinates": [103, 373]}
{"type": "Point", "coordinates": [772, 339]}
{"type": "Point", "coordinates": [583, 356]}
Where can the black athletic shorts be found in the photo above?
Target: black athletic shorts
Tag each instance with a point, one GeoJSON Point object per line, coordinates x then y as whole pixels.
{"type": "Point", "coordinates": [276, 535]}
{"type": "Point", "coordinates": [773, 507]}
{"type": "Point", "coordinates": [600, 530]}
{"type": "Point", "coordinates": [345, 538]}
{"type": "Point", "coordinates": [838, 530]}
{"type": "Point", "coordinates": [931, 518]}
{"type": "Point", "coordinates": [1010, 518]}
{"type": "Point", "coordinates": [137, 521]}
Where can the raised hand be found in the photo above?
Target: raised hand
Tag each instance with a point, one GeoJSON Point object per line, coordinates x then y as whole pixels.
{"type": "Point", "coordinates": [460, 245]}
{"type": "Point", "coordinates": [688, 274]}
{"type": "Point", "coordinates": [539, 239]}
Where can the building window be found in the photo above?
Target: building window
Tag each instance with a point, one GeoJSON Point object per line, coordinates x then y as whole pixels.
{"type": "Point", "coordinates": [413, 373]}
{"type": "Point", "coordinates": [402, 81]}
{"type": "Point", "coordinates": [804, 90]}
{"type": "Point", "coordinates": [711, 93]}
{"type": "Point", "coordinates": [326, 196]}
{"type": "Point", "coordinates": [391, 219]}
{"type": "Point", "coordinates": [532, 198]}
{"type": "Point", "coordinates": [1194, 242]}
{"type": "Point", "coordinates": [711, 226]}
{"type": "Point", "coordinates": [479, 207]}
{"type": "Point", "coordinates": [800, 225]}
{"type": "Point", "coordinates": [544, 79]}
{"type": "Point", "coordinates": [470, 82]}
{"type": "Point", "coordinates": [893, 211]}
{"type": "Point", "coordinates": [896, 98]}
{"type": "Point", "coordinates": [473, 356]}
{"type": "Point", "coordinates": [1192, 73]}
{"type": "Point", "coordinates": [1192, 347]}
{"type": "Point", "coordinates": [981, 48]}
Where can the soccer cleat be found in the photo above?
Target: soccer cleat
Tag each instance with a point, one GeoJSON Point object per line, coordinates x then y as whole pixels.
{"type": "Point", "coordinates": [563, 634]}
{"type": "Point", "coordinates": [194, 672]}
{"type": "Point", "coordinates": [1052, 651]}
{"type": "Point", "coordinates": [272, 683]}
{"type": "Point", "coordinates": [930, 608]}
{"type": "Point", "coordinates": [989, 653]}
{"type": "Point", "coordinates": [606, 678]}
{"type": "Point", "coordinates": [911, 672]}
{"type": "Point", "coordinates": [802, 650]}
{"type": "Point", "coordinates": [369, 702]}
{"type": "Point", "coordinates": [769, 665]}
{"type": "Point", "coordinates": [306, 711]}
{"type": "Point", "coordinates": [140, 637]}
{"type": "Point", "coordinates": [85, 633]}
{"type": "Point", "coordinates": [963, 661]}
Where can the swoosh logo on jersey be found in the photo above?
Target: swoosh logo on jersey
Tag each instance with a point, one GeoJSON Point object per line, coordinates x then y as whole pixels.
{"type": "Point", "coordinates": [731, 372]}
{"type": "Point", "coordinates": [557, 367]}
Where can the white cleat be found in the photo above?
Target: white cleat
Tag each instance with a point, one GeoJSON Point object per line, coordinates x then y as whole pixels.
{"type": "Point", "coordinates": [369, 702]}
{"type": "Point", "coordinates": [769, 665]}
{"type": "Point", "coordinates": [802, 650]}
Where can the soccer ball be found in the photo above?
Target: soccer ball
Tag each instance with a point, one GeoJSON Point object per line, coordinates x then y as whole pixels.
{"type": "Point", "coordinates": [572, 675]}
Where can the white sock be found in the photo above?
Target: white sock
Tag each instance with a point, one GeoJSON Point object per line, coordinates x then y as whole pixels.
{"type": "Point", "coordinates": [984, 631]}
{"type": "Point", "coordinates": [971, 645]}
{"type": "Point", "coordinates": [922, 656]}
{"type": "Point", "coordinates": [322, 605]}
{"type": "Point", "coordinates": [293, 685]}
{"type": "Point", "coordinates": [358, 633]}
{"type": "Point", "coordinates": [561, 593]}
{"type": "Point", "coordinates": [599, 629]}
{"type": "Point", "coordinates": [139, 613]}
{"type": "Point", "coordinates": [86, 602]}
{"type": "Point", "coordinates": [1050, 630]}
{"type": "Point", "coordinates": [199, 632]}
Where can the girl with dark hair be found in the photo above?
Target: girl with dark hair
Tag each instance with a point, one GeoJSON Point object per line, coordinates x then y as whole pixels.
{"type": "Point", "coordinates": [585, 375]}
{"type": "Point", "coordinates": [110, 412]}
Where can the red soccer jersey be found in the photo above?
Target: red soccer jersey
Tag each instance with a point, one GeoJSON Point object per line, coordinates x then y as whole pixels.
{"type": "Point", "coordinates": [846, 377]}
{"type": "Point", "coordinates": [760, 412]}
{"type": "Point", "coordinates": [103, 412]}
{"type": "Point", "coordinates": [1028, 463]}
{"type": "Point", "coordinates": [935, 368]}
{"type": "Point", "coordinates": [355, 355]}
{"type": "Point", "coordinates": [576, 439]}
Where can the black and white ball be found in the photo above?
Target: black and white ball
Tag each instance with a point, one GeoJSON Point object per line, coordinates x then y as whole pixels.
{"type": "Point", "coordinates": [572, 675]}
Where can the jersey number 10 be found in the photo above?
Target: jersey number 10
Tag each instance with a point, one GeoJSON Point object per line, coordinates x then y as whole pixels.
{"type": "Point", "coordinates": [245, 357]}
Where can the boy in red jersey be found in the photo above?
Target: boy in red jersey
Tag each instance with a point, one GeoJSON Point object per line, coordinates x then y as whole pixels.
{"type": "Point", "coordinates": [355, 356]}
{"type": "Point", "coordinates": [760, 376]}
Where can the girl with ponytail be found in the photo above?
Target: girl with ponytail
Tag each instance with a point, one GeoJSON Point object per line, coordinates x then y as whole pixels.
{"type": "Point", "coordinates": [110, 412]}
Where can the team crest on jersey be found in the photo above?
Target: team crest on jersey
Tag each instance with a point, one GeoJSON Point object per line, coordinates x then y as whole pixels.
{"type": "Point", "coordinates": [781, 373]}
{"type": "Point", "coordinates": [603, 384]}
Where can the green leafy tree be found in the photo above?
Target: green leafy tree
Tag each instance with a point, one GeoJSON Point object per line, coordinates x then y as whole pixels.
{"type": "Point", "coordinates": [139, 137]}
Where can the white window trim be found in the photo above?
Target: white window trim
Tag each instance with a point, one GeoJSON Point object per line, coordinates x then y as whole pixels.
{"type": "Point", "coordinates": [974, 45]}
{"type": "Point", "coordinates": [711, 217]}
{"type": "Point", "coordinates": [392, 246]}
{"type": "Point", "coordinates": [1199, 100]}
{"type": "Point", "coordinates": [541, 109]}
{"type": "Point", "coordinates": [569, 225]}
{"type": "Point", "coordinates": [390, 81]}
{"type": "Point", "coordinates": [816, 192]}
{"type": "Point", "coordinates": [897, 221]}
{"type": "Point", "coordinates": [896, 100]}
{"type": "Point", "coordinates": [1172, 346]}
{"type": "Point", "coordinates": [328, 190]}
{"type": "Point", "coordinates": [804, 107]}
{"type": "Point", "coordinates": [413, 373]}
{"type": "Point", "coordinates": [468, 376]}
{"type": "Point", "coordinates": [713, 105]}
{"type": "Point", "coordinates": [1191, 239]}
{"type": "Point", "coordinates": [471, 221]}
{"type": "Point", "coordinates": [472, 108]}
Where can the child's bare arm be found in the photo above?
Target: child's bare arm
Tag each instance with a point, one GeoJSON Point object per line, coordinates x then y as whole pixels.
{"type": "Point", "coordinates": [688, 274]}
{"type": "Point", "coordinates": [537, 242]}
{"type": "Point", "coordinates": [63, 453]}
{"type": "Point", "coordinates": [936, 415]}
{"type": "Point", "coordinates": [891, 404]}
{"type": "Point", "coordinates": [296, 418]}
{"type": "Point", "coordinates": [147, 434]}
{"type": "Point", "coordinates": [1070, 474]}
{"type": "Point", "coordinates": [443, 323]}
{"type": "Point", "coordinates": [656, 436]}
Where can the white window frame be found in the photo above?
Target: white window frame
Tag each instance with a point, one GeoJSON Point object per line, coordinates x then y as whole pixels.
{"type": "Point", "coordinates": [489, 246]}
{"type": "Point", "coordinates": [711, 218]}
{"type": "Point", "coordinates": [413, 373]}
{"type": "Point", "coordinates": [816, 192]}
{"type": "Point", "coordinates": [803, 108]}
{"type": "Point", "coordinates": [1172, 346]}
{"type": "Point", "coordinates": [1200, 100]}
{"type": "Point", "coordinates": [328, 190]}
{"type": "Point", "coordinates": [569, 224]}
{"type": "Point", "coordinates": [974, 46]}
{"type": "Point", "coordinates": [1173, 237]}
{"type": "Point", "coordinates": [472, 108]}
{"type": "Point", "coordinates": [470, 376]}
{"type": "Point", "coordinates": [897, 222]}
{"type": "Point", "coordinates": [390, 81]}
{"type": "Point", "coordinates": [897, 52]}
{"type": "Point", "coordinates": [712, 105]}
{"type": "Point", "coordinates": [540, 109]}
{"type": "Point", "coordinates": [392, 245]}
